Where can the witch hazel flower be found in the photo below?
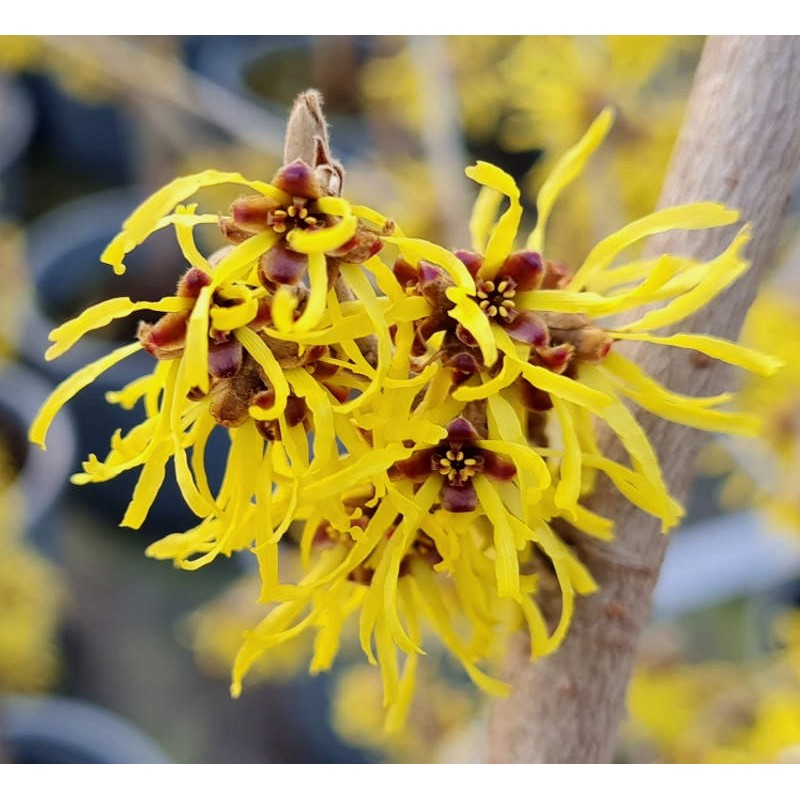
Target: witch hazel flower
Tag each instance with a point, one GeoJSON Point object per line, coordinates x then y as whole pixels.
{"type": "Point", "coordinates": [458, 458]}
{"type": "Point", "coordinates": [254, 340]}
{"type": "Point", "coordinates": [431, 424]}
{"type": "Point", "coordinates": [513, 324]}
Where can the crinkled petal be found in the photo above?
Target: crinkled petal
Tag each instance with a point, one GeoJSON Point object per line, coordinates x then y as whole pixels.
{"type": "Point", "coordinates": [196, 346]}
{"type": "Point", "coordinates": [69, 387]}
{"type": "Point", "coordinates": [145, 219]}
{"type": "Point", "coordinates": [692, 216]}
{"type": "Point", "coordinates": [101, 314]}
{"type": "Point", "coordinates": [228, 318]}
{"type": "Point", "coordinates": [318, 292]}
{"type": "Point", "coordinates": [721, 273]}
{"type": "Point", "coordinates": [506, 560]}
{"type": "Point", "coordinates": [241, 259]}
{"type": "Point", "coordinates": [185, 235]}
{"type": "Point", "coordinates": [265, 359]}
{"type": "Point", "coordinates": [568, 167]}
{"type": "Point", "coordinates": [501, 240]}
{"type": "Point", "coordinates": [730, 352]}
{"type": "Point", "coordinates": [484, 216]}
{"type": "Point", "coordinates": [509, 372]}
{"type": "Point", "coordinates": [569, 486]}
{"type": "Point", "coordinates": [692, 411]}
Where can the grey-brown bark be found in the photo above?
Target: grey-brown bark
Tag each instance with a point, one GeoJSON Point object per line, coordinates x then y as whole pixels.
{"type": "Point", "coordinates": [740, 144]}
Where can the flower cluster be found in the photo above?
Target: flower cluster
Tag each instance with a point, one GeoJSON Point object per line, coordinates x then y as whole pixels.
{"type": "Point", "coordinates": [427, 415]}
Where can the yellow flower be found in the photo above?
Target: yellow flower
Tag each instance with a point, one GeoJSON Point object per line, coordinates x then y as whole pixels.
{"type": "Point", "coordinates": [720, 712]}
{"type": "Point", "coordinates": [18, 53]}
{"type": "Point", "coordinates": [429, 425]}
{"type": "Point", "coordinates": [513, 326]}
{"type": "Point", "coordinates": [439, 710]}
{"type": "Point", "coordinates": [31, 593]}
{"type": "Point", "coordinates": [257, 340]}
{"type": "Point", "coordinates": [766, 474]}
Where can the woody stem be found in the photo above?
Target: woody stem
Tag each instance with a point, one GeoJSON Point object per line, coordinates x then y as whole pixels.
{"type": "Point", "coordinates": [740, 144]}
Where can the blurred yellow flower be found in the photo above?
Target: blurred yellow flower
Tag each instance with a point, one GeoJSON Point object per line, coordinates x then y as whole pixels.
{"type": "Point", "coordinates": [214, 632]}
{"type": "Point", "coordinates": [557, 84]}
{"type": "Point", "coordinates": [720, 712]}
{"type": "Point", "coordinates": [767, 473]}
{"type": "Point", "coordinates": [439, 710]}
{"type": "Point", "coordinates": [31, 596]}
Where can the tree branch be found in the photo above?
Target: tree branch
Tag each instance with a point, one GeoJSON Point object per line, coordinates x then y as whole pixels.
{"type": "Point", "coordinates": [740, 144]}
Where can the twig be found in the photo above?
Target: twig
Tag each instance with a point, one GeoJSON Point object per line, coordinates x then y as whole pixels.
{"type": "Point", "coordinates": [740, 144]}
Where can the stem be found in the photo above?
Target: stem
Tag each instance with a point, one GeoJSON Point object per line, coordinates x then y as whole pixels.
{"type": "Point", "coordinates": [740, 144]}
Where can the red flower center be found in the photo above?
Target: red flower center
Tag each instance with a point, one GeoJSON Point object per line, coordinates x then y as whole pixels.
{"type": "Point", "coordinates": [457, 465]}
{"type": "Point", "coordinates": [292, 216]}
{"type": "Point", "coordinates": [496, 299]}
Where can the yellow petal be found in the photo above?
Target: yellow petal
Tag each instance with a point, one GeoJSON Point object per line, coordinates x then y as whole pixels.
{"type": "Point", "coordinates": [185, 237]}
{"type": "Point", "coordinates": [569, 485]}
{"type": "Point", "coordinates": [692, 216]}
{"type": "Point", "coordinates": [720, 273]}
{"type": "Point", "coordinates": [501, 240]}
{"type": "Point", "coordinates": [196, 347]}
{"type": "Point", "coordinates": [484, 215]}
{"type": "Point", "coordinates": [335, 206]}
{"type": "Point", "coordinates": [265, 359]}
{"type": "Point", "coordinates": [228, 318]}
{"type": "Point", "coordinates": [69, 387]}
{"type": "Point", "coordinates": [506, 560]}
{"type": "Point", "coordinates": [129, 395]}
{"type": "Point", "coordinates": [319, 403]}
{"type": "Point", "coordinates": [284, 303]}
{"type": "Point", "coordinates": [370, 215]}
{"type": "Point", "coordinates": [468, 313]}
{"type": "Point", "coordinates": [595, 525]}
{"type": "Point", "coordinates": [373, 463]}
{"type": "Point", "coordinates": [150, 480]}
{"type": "Point", "coordinates": [323, 240]}
{"type": "Point", "coordinates": [145, 219]}
{"type": "Point", "coordinates": [678, 408]}
{"type": "Point", "coordinates": [509, 372]}
{"type": "Point", "coordinates": [636, 443]}
{"type": "Point", "coordinates": [101, 314]}
{"type": "Point", "coordinates": [318, 283]}
{"type": "Point", "coordinates": [389, 285]}
{"type": "Point", "coordinates": [568, 167]}
{"type": "Point", "coordinates": [567, 388]}
{"type": "Point", "coordinates": [563, 300]}
{"type": "Point", "coordinates": [357, 281]}
{"type": "Point", "coordinates": [239, 261]}
{"type": "Point", "coordinates": [426, 590]}
{"type": "Point", "coordinates": [730, 352]}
